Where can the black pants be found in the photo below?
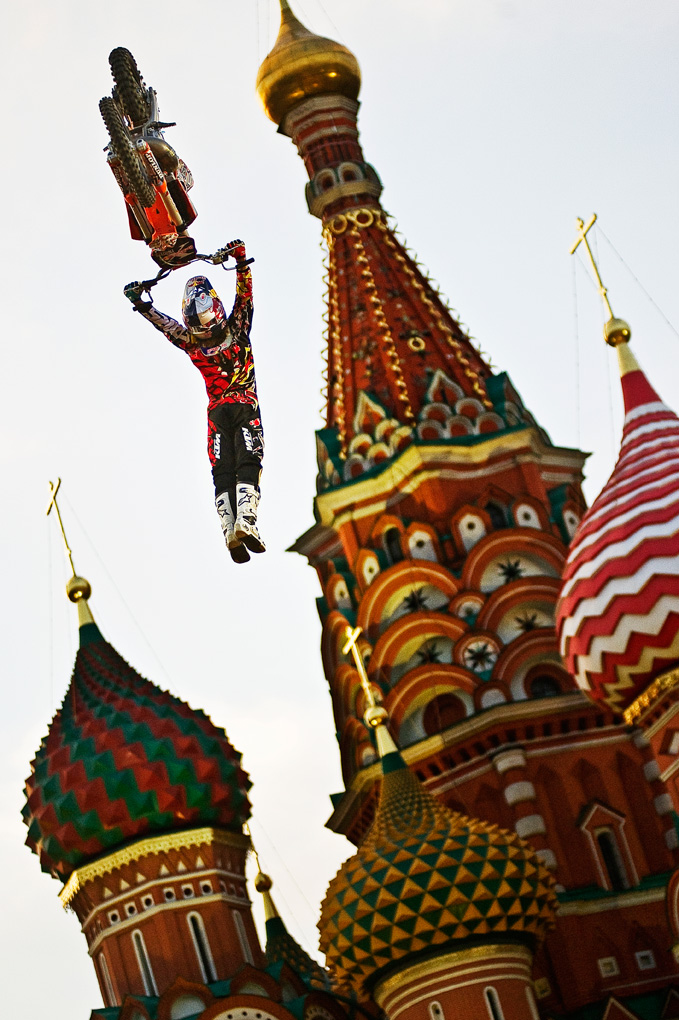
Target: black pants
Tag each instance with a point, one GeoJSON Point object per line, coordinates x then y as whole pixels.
{"type": "Point", "coordinates": [235, 445]}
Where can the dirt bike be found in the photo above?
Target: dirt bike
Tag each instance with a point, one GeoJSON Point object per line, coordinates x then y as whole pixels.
{"type": "Point", "coordinates": [153, 179]}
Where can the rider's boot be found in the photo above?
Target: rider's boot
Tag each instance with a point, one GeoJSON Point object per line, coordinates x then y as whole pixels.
{"type": "Point", "coordinates": [227, 519]}
{"type": "Point", "coordinates": [245, 529]}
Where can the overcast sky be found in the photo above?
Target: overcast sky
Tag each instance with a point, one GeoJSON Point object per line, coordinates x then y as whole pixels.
{"type": "Point", "coordinates": [493, 124]}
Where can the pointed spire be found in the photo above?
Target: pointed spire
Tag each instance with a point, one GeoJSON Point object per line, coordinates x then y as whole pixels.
{"type": "Point", "coordinates": [78, 588]}
{"type": "Point", "coordinates": [375, 716]}
{"type": "Point", "coordinates": [280, 945]}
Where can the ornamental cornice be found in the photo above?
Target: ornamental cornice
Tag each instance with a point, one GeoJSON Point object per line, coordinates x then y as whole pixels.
{"type": "Point", "coordinates": [423, 972]}
{"type": "Point", "coordinates": [150, 847]}
{"type": "Point", "coordinates": [420, 462]}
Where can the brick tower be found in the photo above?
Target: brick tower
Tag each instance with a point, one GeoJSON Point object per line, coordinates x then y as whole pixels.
{"type": "Point", "coordinates": [136, 803]}
{"type": "Point", "coordinates": [442, 520]}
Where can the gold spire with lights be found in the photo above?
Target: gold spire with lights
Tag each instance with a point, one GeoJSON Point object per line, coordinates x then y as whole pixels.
{"type": "Point", "coordinates": [78, 588]}
{"type": "Point", "coordinates": [302, 65]}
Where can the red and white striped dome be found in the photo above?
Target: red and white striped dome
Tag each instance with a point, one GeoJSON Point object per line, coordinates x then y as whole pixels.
{"type": "Point", "coordinates": [618, 613]}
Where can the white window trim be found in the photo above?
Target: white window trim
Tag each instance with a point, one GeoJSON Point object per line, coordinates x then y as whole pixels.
{"type": "Point", "coordinates": [106, 979]}
{"type": "Point", "coordinates": [243, 937]}
{"type": "Point", "coordinates": [206, 950]}
{"type": "Point", "coordinates": [143, 959]}
{"type": "Point", "coordinates": [493, 1004]}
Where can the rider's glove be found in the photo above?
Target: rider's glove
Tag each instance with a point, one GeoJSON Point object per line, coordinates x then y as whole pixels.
{"type": "Point", "coordinates": [133, 292]}
{"type": "Point", "coordinates": [237, 250]}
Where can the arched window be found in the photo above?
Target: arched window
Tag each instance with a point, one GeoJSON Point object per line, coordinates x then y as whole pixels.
{"type": "Point", "coordinates": [493, 1004]}
{"type": "Point", "coordinates": [144, 963]}
{"type": "Point", "coordinates": [498, 517]}
{"type": "Point", "coordinates": [436, 1011]}
{"type": "Point", "coordinates": [610, 854]}
{"type": "Point", "coordinates": [544, 686]}
{"type": "Point", "coordinates": [109, 997]}
{"type": "Point", "coordinates": [392, 545]}
{"type": "Point", "coordinates": [243, 938]}
{"type": "Point", "coordinates": [443, 711]}
{"type": "Point", "coordinates": [202, 947]}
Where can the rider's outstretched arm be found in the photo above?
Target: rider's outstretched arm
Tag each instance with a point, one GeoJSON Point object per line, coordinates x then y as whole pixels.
{"type": "Point", "coordinates": [240, 319]}
{"type": "Point", "coordinates": [175, 332]}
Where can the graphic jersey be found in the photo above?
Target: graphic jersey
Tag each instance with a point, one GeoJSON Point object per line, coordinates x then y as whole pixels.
{"type": "Point", "coordinates": [228, 371]}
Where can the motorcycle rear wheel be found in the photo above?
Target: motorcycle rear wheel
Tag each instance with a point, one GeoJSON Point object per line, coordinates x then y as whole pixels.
{"type": "Point", "coordinates": [123, 146]}
{"type": "Point", "coordinates": [129, 86]}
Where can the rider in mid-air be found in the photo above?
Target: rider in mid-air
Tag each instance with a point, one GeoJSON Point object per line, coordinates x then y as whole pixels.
{"type": "Point", "coordinates": [220, 349]}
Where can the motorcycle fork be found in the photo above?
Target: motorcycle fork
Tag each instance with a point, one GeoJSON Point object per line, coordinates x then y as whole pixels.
{"type": "Point", "coordinates": [160, 184]}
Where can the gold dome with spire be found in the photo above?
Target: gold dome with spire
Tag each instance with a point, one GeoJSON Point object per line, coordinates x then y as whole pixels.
{"type": "Point", "coordinates": [302, 65]}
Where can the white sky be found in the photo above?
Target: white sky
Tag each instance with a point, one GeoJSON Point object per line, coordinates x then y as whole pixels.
{"type": "Point", "coordinates": [493, 124]}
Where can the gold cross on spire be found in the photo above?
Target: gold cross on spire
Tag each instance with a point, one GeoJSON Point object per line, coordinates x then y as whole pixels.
{"type": "Point", "coordinates": [350, 645]}
{"type": "Point", "coordinates": [616, 331]}
{"type": "Point", "coordinates": [53, 503]}
{"type": "Point", "coordinates": [582, 239]}
{"type": "Point", "coordinates": [375, 716]}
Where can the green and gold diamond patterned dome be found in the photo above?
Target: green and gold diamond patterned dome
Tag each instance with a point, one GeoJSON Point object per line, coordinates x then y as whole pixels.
{"type": "Point", "coordinates": [426, 877]}
{"type": "Point", "coordinates": [124, 759]}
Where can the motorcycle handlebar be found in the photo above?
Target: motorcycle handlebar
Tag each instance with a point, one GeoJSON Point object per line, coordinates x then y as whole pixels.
{"type": "Point", "coordinates": [218, 259]}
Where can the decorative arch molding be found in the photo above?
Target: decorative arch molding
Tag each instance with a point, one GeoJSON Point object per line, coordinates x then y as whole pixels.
{"type": "Point", "coordinates": [332, 640]}
{"type": "Point", "coordinates": [527, 651]}
{"type": "Point", "coordinates": [246, 1007]}
{"type": "Point", "coordinates": [422, 684]}
{"type": "Point", "coordinates": [354, 743]}
{"type": "Point", "coordinates": [320, 1006]}
{"type": "Point", "coordinates": [132, 1009]}
{"type": "Point", "coordinates": [543, 555]}
{"type": "Point", "coordinates": [404, 576]}
{"type": "Point", "coordinates": [513, 598]}
{"type": "Point", "coordinates": [345, 689]}
{"type": "Point", "coordinates": [596, 819]}
{"type": "Point", "coordinates": [250, 975]}
{"type": "Point", "coordinates": [407, 635]}
{"type": "Point", "coordinates": [178, 990]}
{"type": "Point", "coordinates": [366, 568]}
{"type": "Point", "coordinates": [338, 593]}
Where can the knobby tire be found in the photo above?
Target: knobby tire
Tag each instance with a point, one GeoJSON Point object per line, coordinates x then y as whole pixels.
{"type": "Point", "coordinates": [129, 86]}
{"type": "Point", "coordinates": [124, 148]}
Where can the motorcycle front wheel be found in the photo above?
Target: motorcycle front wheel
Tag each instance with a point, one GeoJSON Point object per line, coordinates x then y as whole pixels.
{"type": "Point", "coordinates": [129, 86]}
{"type": "Point", "coordinates": [124, 148]}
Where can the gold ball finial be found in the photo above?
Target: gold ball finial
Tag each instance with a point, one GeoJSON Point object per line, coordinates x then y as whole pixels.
{"type": "Point", "coordinates": [617, 331]}
{"type": "Point", "coordinates": [78, 588]}
{"type": "Point", "coordinates": [263, 882]}
{"type": "Point", "coordinates": [375, 716]}
{"type": "Point", "coordinates": [302, 65]}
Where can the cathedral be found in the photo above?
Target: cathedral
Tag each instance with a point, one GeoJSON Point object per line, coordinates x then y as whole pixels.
{"type": "Point", "coordinates": [503, 665]}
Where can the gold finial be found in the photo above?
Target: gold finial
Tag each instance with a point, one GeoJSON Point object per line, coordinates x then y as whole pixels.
{"type": "Point", "coordinates": [375, 716]}
{"type": "Point", "coordinates": [78, 588]}
{"type": "Point", "coordinates": [616, 331]}
{"type": "Point", "coordinates": [263, 883]}
{"type": "Point", "coordinates": [302, 65]}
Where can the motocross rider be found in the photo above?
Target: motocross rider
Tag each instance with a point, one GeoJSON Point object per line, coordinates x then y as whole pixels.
{"type": "Point", "coordinates": [220, 349]}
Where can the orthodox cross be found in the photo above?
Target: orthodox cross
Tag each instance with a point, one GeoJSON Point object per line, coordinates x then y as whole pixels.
{"type": "Point", "coordinates": [53, 503]}
{"type": "Point", "coordinates": [352, 636]}
{"type": "Point", "coordinates": [582, 239]}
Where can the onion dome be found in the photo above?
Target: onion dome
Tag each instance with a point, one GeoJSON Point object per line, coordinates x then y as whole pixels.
{"type": "Point", "coordinates": [280, 945]}
{"type": "Point", "coordinates": [425, 876]}
{"type": "Point", "coordinates": [302, 65]}
{"type": "Point", "coordinates": [618, 613]}
{"type": "Point", "coordinates": [124, 759]}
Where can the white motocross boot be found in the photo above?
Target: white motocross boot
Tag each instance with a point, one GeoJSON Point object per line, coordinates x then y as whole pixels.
{"type": "Point", "coordinates": [227, 519]}
{"type": "Point", "coordinates": [245, 528]}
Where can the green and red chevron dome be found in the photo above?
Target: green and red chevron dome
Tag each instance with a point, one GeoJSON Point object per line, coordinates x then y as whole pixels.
{"type": "Point", "coordinates": [618, 612]}
{"type": "Point", "coordinates": [123, 760]}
